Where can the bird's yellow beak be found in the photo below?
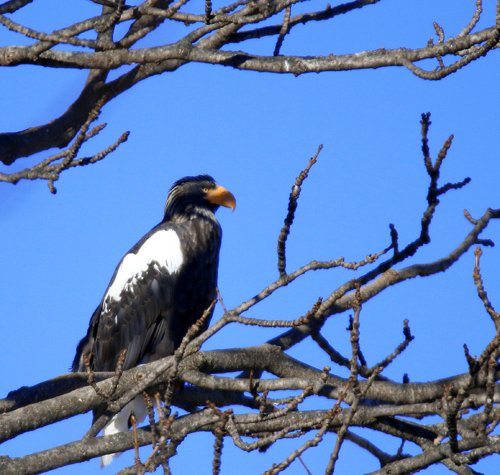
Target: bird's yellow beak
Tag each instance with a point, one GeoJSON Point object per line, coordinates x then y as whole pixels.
{"type": "Point", "coordinates": [222, 197]}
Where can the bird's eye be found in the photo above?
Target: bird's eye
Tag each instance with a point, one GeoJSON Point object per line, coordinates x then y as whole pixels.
{"type": "Point", "coordinates": [204, 189]}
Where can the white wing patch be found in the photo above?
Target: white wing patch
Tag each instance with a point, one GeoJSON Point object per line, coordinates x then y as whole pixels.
{"type": "Point", "coordinates": [162, 250]}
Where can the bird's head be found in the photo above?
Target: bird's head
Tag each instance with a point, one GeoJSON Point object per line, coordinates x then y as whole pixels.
{"type": "Point", "coordinates": [196, 193]}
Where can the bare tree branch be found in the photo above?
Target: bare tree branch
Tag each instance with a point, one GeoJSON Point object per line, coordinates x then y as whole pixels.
{"type": "Point", "coordinates": [207, 38]}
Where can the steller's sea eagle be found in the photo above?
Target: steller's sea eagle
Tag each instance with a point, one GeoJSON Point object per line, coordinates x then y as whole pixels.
{"type": "Point", "coordinates": [161, 287]}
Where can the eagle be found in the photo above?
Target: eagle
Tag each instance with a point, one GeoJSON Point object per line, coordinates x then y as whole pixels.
{"type": "Point", "coordinates": [161, 287]}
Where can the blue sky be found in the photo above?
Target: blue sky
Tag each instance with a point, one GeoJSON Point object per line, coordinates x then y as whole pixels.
{"type": "Point", "coordinates": [254, 132]}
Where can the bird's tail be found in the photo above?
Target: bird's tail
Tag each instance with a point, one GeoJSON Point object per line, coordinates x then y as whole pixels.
{"type": "Point", "coordinates": [120, 423]}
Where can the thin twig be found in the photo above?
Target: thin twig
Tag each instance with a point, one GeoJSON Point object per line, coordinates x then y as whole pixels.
{"type": "Point", "coordinates": [481, 292]}
{"type": "Point", "coordinates": [292, 207]}
{"type": "Point", "coordinates": [285, 28]}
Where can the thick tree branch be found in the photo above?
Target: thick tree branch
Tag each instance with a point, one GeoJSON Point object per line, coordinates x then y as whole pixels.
{"type": "Point", "coordinates": [14, 56]}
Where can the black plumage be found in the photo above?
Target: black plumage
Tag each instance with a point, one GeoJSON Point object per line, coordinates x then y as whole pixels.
{"type": "Point", "coordinates": [163, 284]}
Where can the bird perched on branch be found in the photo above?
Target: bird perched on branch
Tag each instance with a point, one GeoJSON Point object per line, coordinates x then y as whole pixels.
{"type": "Point", "coordinates": [161, 287]}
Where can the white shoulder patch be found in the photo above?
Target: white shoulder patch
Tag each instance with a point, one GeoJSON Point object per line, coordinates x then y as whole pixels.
{"type": "Point", "coordinates": [162, 249]}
